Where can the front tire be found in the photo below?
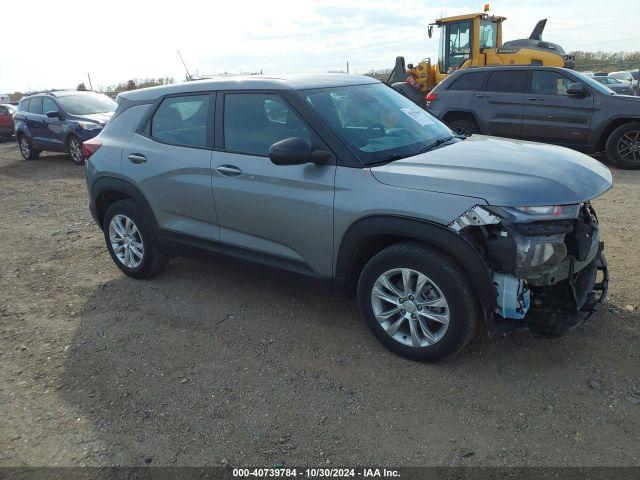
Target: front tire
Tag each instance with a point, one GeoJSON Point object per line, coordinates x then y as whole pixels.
{"type": "Point", "coordinates": [463, 127]}
{"type": "Point", "coordinates": [74, 147]}
{"type": "Point", "coordinates": [26, 148]}
{"type": "Point", "coordinates": [623, 146]}
{"type": "Point", "coordinates": [417, 302]}
{"type": "Point", "coordinates": [131, 241]}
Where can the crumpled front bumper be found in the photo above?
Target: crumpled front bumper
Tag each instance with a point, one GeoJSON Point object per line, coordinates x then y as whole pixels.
{"type": "Point", "coordinates": [570, 303]}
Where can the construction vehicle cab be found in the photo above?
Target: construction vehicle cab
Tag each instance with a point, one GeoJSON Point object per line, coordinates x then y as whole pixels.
{"type": "Point", "coordinates": [463, 40]}
{"type": "Point", "coordinates": [474, 40]}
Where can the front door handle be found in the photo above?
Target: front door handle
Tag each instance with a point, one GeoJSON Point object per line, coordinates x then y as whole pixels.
{"type": "Point", "coordinates": [535, 99]}
{"type": "Point", "coordinates": [137, 158]}
{"type": "Point", "coordinates": [482, 95]}
{"type": "Point", "coordinates": [229, 170]}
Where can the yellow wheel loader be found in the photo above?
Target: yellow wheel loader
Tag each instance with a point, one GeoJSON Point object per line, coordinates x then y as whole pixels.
{"type": "Point", "coordinates": [474, 40]}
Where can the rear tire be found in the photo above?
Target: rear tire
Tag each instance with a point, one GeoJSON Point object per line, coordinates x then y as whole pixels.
{"type": "Point", "coordinates": [26, 148]}
{"type": "Point", "coordinates": [74, 147]}
{"type": "Point", "coordinates": [463, 127]}
{"type": "Point", "coordinates": [623, 146]}
{"type": "Point", "coordinates": [131, 240]}
{"type": "Point", "coordinates": [430, 322]}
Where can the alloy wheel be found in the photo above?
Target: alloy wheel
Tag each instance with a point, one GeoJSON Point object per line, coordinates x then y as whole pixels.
{"type": "Point", "coordinates": [75, 149]}
{"type": "Point", "coordinates": [629, 146]}
{"type": "Point", "coordinates": [126, 241]}
{"type": "Point", "coordinates": [410, 307]}
{"type": "Point", "coordinates": [25, 148]}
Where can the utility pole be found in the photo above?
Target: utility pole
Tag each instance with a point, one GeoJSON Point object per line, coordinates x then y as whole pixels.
{"type": "Point", "coordinates": [90, 86]}
{"type": "Point", "coordinates": [347, 67]}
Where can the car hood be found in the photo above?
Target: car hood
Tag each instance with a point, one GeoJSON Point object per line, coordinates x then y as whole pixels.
{"type": "Point", "coordinates": [502, 172]}
{"type": "Point", "coordinates": [101, 118]}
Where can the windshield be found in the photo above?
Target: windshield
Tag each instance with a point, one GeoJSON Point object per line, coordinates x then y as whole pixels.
{"type": "Point", "coordinates": [594, 83]}
{"type": "Point", "coordinates": [377, 122]}
{"type": "Point", "coordinates": [622, 76]}
{"type": "Point", "coordinates": [607, 80]}
{"type": "Point", "coordinates": [87, 103]}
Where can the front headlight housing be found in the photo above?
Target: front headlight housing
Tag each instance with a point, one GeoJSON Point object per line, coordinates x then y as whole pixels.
{"type": "Point", "coordinates": [527, 214]}
{"type": "Point", "coordinates": [89, 125]}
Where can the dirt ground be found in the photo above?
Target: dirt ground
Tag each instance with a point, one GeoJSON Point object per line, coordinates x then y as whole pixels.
{"type": "Point", "coordinates": [223, 363]}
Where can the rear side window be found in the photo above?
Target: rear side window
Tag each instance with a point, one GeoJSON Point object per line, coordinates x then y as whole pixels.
{"type": "Point", "coordinates": [182, 121]}
{"type": "Point", "coordinates": [508, 81]}
{"type": "Point", "coordinates": [468, 81]}
{"type": "Point", "coordinates": [255, 121]}
{"type": "Point", "coordinates": [35, 106]}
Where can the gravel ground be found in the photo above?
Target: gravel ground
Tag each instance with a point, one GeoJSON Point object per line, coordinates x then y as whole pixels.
{"type": "Point", "coordinates": [223, 363]}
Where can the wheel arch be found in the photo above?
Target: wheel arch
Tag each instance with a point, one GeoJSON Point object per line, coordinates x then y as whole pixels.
{"type": "Point", "coordinates": [453, 115]}
{"type": "Point", "coordinates": [107, 190]}
{"type": "Point", "coordinates": [610, 128]}
{"type": "Point", "coordinates": [369, 235]}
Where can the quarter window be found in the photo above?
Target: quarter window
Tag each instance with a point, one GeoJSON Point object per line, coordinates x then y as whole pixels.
{"type": "Point", "coordinates": [255, 121]}
{"type": "Point", "coordinates": [49, 105]}
{"type": "Point", "coordinates": [508, 81]}
{"type": "Point", "coordinates": [468, 81]}
{"type": "Point", "coordinates": [35, 106]}
{"type": "Point", "coordinates": [182, 121]}
{"type": "Point", "coordinates": [549, 83]}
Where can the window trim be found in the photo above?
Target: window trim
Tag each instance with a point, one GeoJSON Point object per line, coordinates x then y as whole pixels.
{"type": "Point", "coordinates": [220, 146]}
{"type": "Point", "coordinates": [144, 128]}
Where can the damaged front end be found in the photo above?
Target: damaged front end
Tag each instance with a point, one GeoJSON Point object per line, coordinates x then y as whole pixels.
{"type": "Point", "coordinates": [547, 264]}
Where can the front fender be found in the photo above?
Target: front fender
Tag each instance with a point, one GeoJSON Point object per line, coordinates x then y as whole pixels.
{"type": "Point", "coordinates": [437, 235]}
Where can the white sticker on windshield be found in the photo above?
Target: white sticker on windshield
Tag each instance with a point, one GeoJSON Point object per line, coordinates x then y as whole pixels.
{"type": "Point", "coordinates": [418, 115]}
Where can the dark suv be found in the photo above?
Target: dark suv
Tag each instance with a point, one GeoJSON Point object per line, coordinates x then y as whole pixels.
{"type": "Point", "coordinates": [60, 121]}
{"type": "Point", "coordinates": [544, 104]}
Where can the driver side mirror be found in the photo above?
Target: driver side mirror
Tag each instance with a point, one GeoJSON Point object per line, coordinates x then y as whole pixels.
{"type": "Point", "coordinates": [576, 89]}
{"type": "Point", "coordinates": [296, 151]}
{"type": "Point", "coordinates": [430, 30]}
{"type": "Point", "coordinates": [55, 114]}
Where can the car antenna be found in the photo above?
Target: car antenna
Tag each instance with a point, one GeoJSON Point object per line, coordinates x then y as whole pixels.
{"type": "Point", "coordinates": [189, 77]}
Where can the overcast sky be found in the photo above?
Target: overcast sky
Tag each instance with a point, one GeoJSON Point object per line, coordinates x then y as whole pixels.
{"type": "Point", "coordinates": [58, 42]}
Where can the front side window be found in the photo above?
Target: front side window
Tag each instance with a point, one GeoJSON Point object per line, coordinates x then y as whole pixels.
{"type": "Point", "coordinates": [457, 45]}
{"type": "Point", "coordinates": [24, 104]}
{"type": "Point", "coordinates": [507, 81]}
{"type": "Point", "coordinates": [87, 103]}
{"type": "Point", "coordinates": [49, 105]}
{"type": "Point", "coordinates": [488, 34]}
{"type": "Point", "coordinates": [255, 121]}
{"type": "Point", "coordinates": [378, 123]}
{"type": "Point", "coordinates": [549, 83]}
{"type": "Point", "coordinates": [182, 121]}
{"type": "Point", "coordinates": [35, 106]}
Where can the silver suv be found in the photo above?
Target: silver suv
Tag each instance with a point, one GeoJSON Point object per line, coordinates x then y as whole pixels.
{"type": "Point", "coordinates": [343, 179]}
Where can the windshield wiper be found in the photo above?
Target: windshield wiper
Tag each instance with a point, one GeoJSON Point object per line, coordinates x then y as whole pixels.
{"type": "Point", "coordinates": [435, 144]}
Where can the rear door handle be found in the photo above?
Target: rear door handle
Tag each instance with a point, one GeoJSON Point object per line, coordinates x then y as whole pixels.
{"type": "Point", "coordinates": [481, 95]}
{"type": "Point", "coordinates": [229, 170]}
{"type": "Point", "coordinates": [535, 99]}
{"type": "Point", "coordinates": [137, 158]}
